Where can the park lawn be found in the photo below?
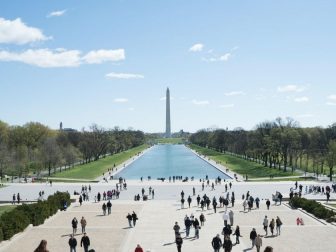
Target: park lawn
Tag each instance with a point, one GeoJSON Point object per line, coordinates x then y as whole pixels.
{"type": "Point", "coordinates": [169, 140]}
{"type": "Point", "coordinates": [241, 166]}
{"type": "Point", "coordinates": [6, 208]}
{"type": "Point", "coordinates": [277, 179]}
{"type": "Point", "coordinates": [97, 168]}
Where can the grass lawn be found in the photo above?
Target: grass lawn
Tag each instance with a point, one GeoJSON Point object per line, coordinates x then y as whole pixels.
{"type": "Point", "coordinates": [96, 168]}
{"type": "Point", "coordinates": [6, 208]}
{"type": "Point", "coordinates": [284, 179]}
{"type": "Point", "coordinates": [169, 140]}
{"type": "Point", "coordinates": [241, 166]}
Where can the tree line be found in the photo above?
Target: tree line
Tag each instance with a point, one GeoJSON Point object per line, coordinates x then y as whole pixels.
{"type": "Point", "coordinates": [278, 144]}
{"type": "Point", "coordinates": [34, 147]}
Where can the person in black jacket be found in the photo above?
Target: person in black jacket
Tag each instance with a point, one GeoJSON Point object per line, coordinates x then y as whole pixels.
{"type": "Point", "coordinates": [109, 206]}
{"type": "Point", "coordinates": [72, 243]}
{"type": "Point", "coordinates": [134, 218]}
{"type": "Point", "coordinates": [85, 242]}
{"type": "Point", "coordinates": [74, 224]}
{"type": "Point", "coordinates": [253, 236]}
{"type": "Point", "coordinates": [178, 241]}
{"type": "Point", "coordinates": [216, 243]}
{"type": "Point", "coordinates": [227, 245]}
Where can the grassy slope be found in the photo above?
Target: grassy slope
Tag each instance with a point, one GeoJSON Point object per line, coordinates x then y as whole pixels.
{"type": "Point", "coordinates": [96, 168]}
{"type": "Point", "coordinates": [6, 208]}
{"type": "Point", "coordinates": [241, 166]}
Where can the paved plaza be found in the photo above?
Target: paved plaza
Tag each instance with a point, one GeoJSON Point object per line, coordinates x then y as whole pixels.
{"type": "Point", "coordinates": [154, 230]}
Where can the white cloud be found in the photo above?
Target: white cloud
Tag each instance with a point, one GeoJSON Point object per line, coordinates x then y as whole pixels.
{"type": "Point", "coordinates": [204, 102]}
{"type": "Point", "coordinates": [44, 57]}
{"type": "Point", "coordinates": [332, 97]}
{"type": "Point", "coordinates": [224, 57]}
{"type": "Point", "coordinates": [17, 32]}
{"type": "Point", "coordinates": [227, 106]}
{"type": "Point", "coordinates": [99, 56]}
{"type": "Point", "coordinates": [56, 13]}
{"type": "Point", "coordinates": [196, 48]}
{"type": "Point", "coordinates": [124, 76]}
{"type": "Point", "coordinates": [120, 100]}
{"type": "Point", "coordinates": [301, 99]}
{"type": "Point", "coordinates": [290, 88]}
{"type": "Point", "coordinates": [56, 58]}
{"type": "Point", "coordinates": [234, 93]}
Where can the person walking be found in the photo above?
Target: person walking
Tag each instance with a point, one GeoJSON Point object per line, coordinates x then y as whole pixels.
{"type": "Point", "coordinates": [83, 224]}
{"type": "Point", "coordinates": [42, 247]}
{"type": "Point", "coordinates": [278, 225]}
{"type": "Point", "coordinates": [268, 203]}
{"type": "Point", "coordinates": [214, 204]}
{"type": "Point", "coordinates": [271, 225]}
{"type": "Point", "coordinates": [189, 201]}
{"type": "Point", "coordinates": [202, 219]}
{"type": "Point", "coordinates": [253, 236]}
{"type": "Point", "coordinates": [85, 242]}
{"type": "Point", "coordinates": [104, 208]}
{"type": "Point", "coordinates": [138, 249]}
{"type": "Point", "coordinates": [216, 243]}
{"type": "Point", "coordinates": [237, 234]}
{"type": "Point", "coordinates": [129, 218]}
{"type": "Point", "coordinates": [182, 203]}
{"type": "Point", "coordinates": [74, 224]}
{"type": "Point", "coordinates": [14, 199]}
{"type": "Point", "coordinates": [197, 228]}
{"type": "Point", "coordinates": [225, 218]}
{"type": "Point", "coordinates": [109, 206]}
{"type": "Point", "coordinates": [258, 242]}
{"type": "Point", "coordinates": [72, 243]}
{"type": "Point", "coordinates": [231, 214]}
{"type": "Point", "coordinates": [179, 242]}
{"type": "Point", "coordinates": [80, 200]}
{"type": "Point", "coordinates": [187, 224]}
{"type": "Point", "coordinates": [134, 218]}
{"type": "Point", "coordinates": [265, 224]}
{"type": "Point", "coordinates": [227, 245]}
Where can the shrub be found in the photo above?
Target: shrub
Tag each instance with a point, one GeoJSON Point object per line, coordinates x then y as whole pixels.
{"type": "Point", "coordinates": [1, 234]}
{"type": "Point", "coordinates": [13, 222]}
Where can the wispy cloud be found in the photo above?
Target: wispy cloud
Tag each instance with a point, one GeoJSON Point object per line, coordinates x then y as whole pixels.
{"type": "Point", "coordinates": [56, 13]}
{"type": "Point", "coordinates": [120, 100]}
{"type": "Point", "coordinates": [204, 102]}
{"type": "Point", "coordinates": [196, 47]}
{"type": "Point", "coordinates": [234, 93]}
{"type": "Point", "coordinates": [301, 99]}
{"type": "Point", "coordinates": [17, 32]}
{"type": "Point", "coordinates": [290, 88]}
{"type": "Point", "coordinates": [48, 58]}
{"type": "Point", "coordinates": [227, 106]}
{"type": "Point", "coordinates": [124, 76]}
{"type": "Point", "coordinates": [331, 100]}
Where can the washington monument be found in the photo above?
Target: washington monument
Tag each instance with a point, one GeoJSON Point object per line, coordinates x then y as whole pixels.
{"type": "Point", "coordinates": [168, 131]}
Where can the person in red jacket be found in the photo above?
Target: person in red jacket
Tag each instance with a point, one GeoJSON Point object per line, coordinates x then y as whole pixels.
{"type": "Point", "coordinates": [138, 249]}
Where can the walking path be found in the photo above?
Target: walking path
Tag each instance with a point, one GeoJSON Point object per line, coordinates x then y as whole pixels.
{"type": "Point", "coordinates": [154, 230]}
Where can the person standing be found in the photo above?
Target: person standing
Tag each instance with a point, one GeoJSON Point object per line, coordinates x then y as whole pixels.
{"type": "Point", "coordinates": [179, 242]}
{"type": "Point", "coordinates": [237, 234]}
{"type": "Point", "coordinates": [189, 201]}
{"type": "Point", "coordinates": [258, 242]}
{"type": "Point", "coordinates": [278, 225]}
{"type": "Point", "coordinates": [18, 198]}
{"type": "Point", "coordinates": [85, 242]}
{"type": "Point", "coordinates": [176, 229]}
{"type": "Point", "coordinates": [231, 217]}
{"type": "Point", "coordinates": [182, 203]}
{"type": "Point", "coordinates": [257, 200]}
{"type": "Point", "coordinates": [194, 191]}
{"type": "Point", "coordinates": [74, 224]}
{"type": "Point", "coordinates": [197, 228]}
{"type": "Point", "coordinates": [202, 219]}
{"type": "Point", "coordinates": [265, 224]}
{"type": "Point", "coordinates": [216, 243]}
{"type": "Point", "coordinates": [134, 218]}
{"type": "Point", "coordinates": [109, 206]}
{"type": "Point", "coordinates": [214, 204]}
{"type": "Point", "coordinates": [83, 224]}
{"type": "Point", "coordinates": [225, 218]}
{"type": "Point", "coordinates": [187, 224]}
{"type": "Point", "coordinates": [14, 199]}
{"type": "Point", "coordinates": [198, 200]}
{"type": "Point", "coordinates": [72, 243]}
{"type": "Point", "coordinates": [80, 200]}
{"type": "Point", "coordinates": [253, 236]}
{"type": "Point", "coordinates": [138, 249]}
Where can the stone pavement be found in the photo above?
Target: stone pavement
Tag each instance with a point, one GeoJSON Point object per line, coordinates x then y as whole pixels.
{"type": "Point", "coordinates": [154, 230]}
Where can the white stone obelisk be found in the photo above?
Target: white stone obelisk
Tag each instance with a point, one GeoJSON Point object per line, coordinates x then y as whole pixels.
{"type": "Point", "coordinates": [168, 130]}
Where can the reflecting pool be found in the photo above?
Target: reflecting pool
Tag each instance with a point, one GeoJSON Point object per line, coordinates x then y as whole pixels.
{"type": "Point", "coordinates": [162, 161]}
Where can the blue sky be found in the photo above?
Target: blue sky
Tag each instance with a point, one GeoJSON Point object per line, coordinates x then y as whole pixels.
{"type": "Point", "coordinates": [227, 63]}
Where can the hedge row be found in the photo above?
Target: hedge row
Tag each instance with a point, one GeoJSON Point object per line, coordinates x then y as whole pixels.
{"type": "Point", "coordinates": [313, 207]}
{"type": "Point", "coordinates": [16, 220]}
